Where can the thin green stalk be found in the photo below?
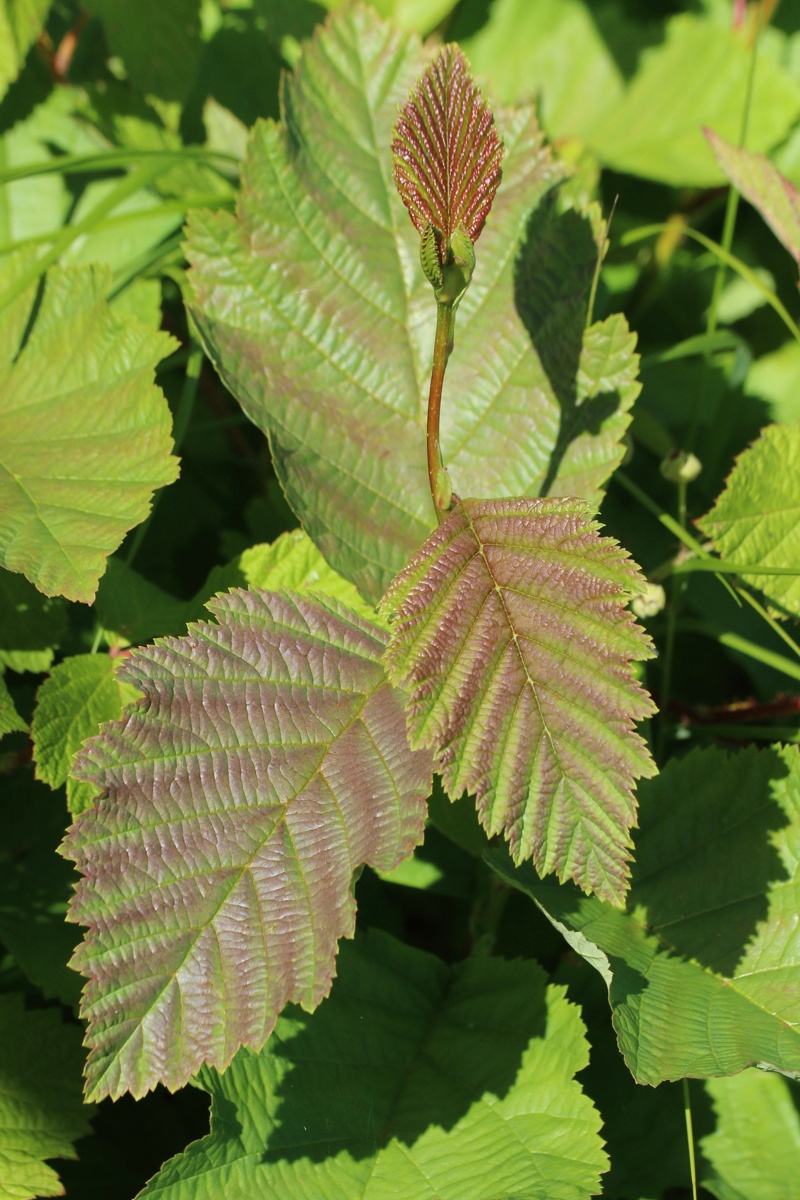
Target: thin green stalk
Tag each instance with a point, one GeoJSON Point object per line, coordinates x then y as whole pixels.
{"type": "Point", "coordinates": [160, 254]}
{"type": "Point", "coordinates": [721, 566]}
{"type": "Point", "coordinates": [676, 596]}
{"type": "Point", "coordinates": [774, 625]}
{"type": "Point", "coordinates": [687, 1112]}
{"type": "Point", "coordinates": [734, 641]}
{"type": "Point", "coordinates": [437, 475]}
{"type": "Point", "coordinates": [83, 164]}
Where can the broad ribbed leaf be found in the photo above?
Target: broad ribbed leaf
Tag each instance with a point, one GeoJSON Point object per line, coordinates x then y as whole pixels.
{"type": "Point", "coordinates": [446, 150]}
{"type": "Point", "coordinates": [41, 1114]}
{"type": "Point", "coordinates": [265, 764]}
{"type": "Point", "coordinates": [703, 969]}
{"type": "Point", "coordinates": [314, 307]}
{"type": "Point", "coordinates": [756, 519]}
{"type": "Point", "coordinates": [514, 643]}
{"type": "Point", "coordinates": [413, 1080]}
{"type": "Point", "coordinates": [84, 431]}
{"type": "Point", "coordinates": [762, 184]}
{"type": "Point", "coordinates": [755, 1148]}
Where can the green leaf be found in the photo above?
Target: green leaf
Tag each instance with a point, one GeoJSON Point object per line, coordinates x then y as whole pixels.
{"type": "Point", "coordinates": [314, 308]}
{"type": "Point", "coordinates": [32, 626]}
{"type": "Point", "coordinates": [697, 77]}
{"type": "Point", "coordinates": [762, 184]}
{"type": "Point", "coordinates": [10, 720]}
{"type": "Point", "coordinates": [85, 436]}
{"type": "Point", "coordinates": [81, 693]}
{"type": "Point", "coordinates": [159, 43]}
{"type": "Point", "coordinates": [512, 638]}
{"type": "Point", "coordinates": [703, 969]}
{"type": "Point", "coordinates": [20, 24]}
{"type": "Point", "coordinates": [265, 764]}
{"type": "Point", "coordinates": [755, 1147]}
{"type": "Point", "coordinates": [454, 1082]}
{"type": "Point", "coordinates": [755, 520]}
{"type": "Point", "coordinates": [420, 15]}
{"type": "Point", "coordinates": [41, 1114]}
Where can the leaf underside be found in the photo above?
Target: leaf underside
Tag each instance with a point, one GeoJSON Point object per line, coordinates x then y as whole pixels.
{"type": "Point", "coordinates": [513, 641]}
{"type": "Point", "coordinates": [267, 762]}
{"type": "Point", "coordinates": [446, 150]}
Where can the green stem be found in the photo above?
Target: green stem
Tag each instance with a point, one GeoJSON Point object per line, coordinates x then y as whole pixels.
{"type": "Point", "coordinates": [72, 164]}
{"type": "Point", "coordinates": [687, 1112]}
{"type": "Point", "coordinates": [437, 475]}
{"type": "Point", "coordinates": [676, 595]}
{"type": "Point", "coordinates": [742, 645]}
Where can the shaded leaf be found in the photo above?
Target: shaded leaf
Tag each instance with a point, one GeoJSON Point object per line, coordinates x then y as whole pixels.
{"type": "Point", "coordinates": [754, 1150]}
{"type": "Point", "coordinates": [703, 969]}
{"type": "Point", "coordinates": [454, 1082]}
{"type": "Point", "coordinates": [10, 720]}
{"type": "Point", "coordinates": [81, 693]}
{"type": "Point", "coordinates": [446, 150]}
{"type": "Point", "coordinates": [41, 1114]}
{"type": "Point", "coordinates": [771, 193]}
{"type": "Point", "coordinates": [20, 23]}
{"type": "Point", "coordinates": [314, 308]}
{"type": "Point", "coordinates": [265, 764]}
{"type": "Point", "coordinates": [159, 43]}
{"type": "Point", "coordinates": [755, 520]}
{"type": "Point", "coordinates": [514, 643]}
{"type": "Point", "coordinates": [84, 437]}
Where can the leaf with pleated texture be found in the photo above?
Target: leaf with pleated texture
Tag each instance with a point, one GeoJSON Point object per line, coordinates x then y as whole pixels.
{"type": "Point", "coordinates": [413, 1080]}
{"type": "Point", "coordinates": [446, 150]}
{"type": "Point", "coordinates": [762, 184]}
{"type": "Point", "coordinates": [513, 640]}
{"type": "Point", "coordinates": [756, 520]}
{"type": "Point", "coordinates": [266, 762]}
{"type": "Point", "coordinates": [703, 970]}
{"type": "Point", "coordinates": [313, 306]}
{"type": "Point", "coordinates": [84, 432]}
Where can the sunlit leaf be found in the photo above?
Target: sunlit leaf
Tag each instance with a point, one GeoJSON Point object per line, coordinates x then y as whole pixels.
{"type": "Point", "coordinates": [312, 304]}
{"type": "Point", "coordinates": [755, 1147]}
{"type": "Point", "coordinates": [756, 519]}
{"type": "Point", "coordinates": [84, 431]}
{"type": "Point", "coordinates": [703, 970]}
{"type": "Point", "coordinates": [513, 640]}
{"type": "Point", "coordinates": [20, 23]}
{"type": "Point", "coordinates": [266, 762]}
{"type": "Point", "coordinates": [414, 1079]}
{"type": "Point", "coordinates": [41, 1114]}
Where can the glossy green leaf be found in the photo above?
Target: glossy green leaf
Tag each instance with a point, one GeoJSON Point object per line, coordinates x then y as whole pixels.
{"type": "Point", "coordinates": [762, 184]}
{"type": "Point", "coordinates": [703, 969]}
{"type": "Point", "coordinates": [10, 720]}
{"type": "Point", "coordinates": [697, 77]}
{"type": "Point", "coordinates": [513, 641]}
{"type": "Point", "coordinates": [84, 437]}
{"type": "Point", "coordinates": [414, 1079]}
{"type": "Point", "coordinates": [754, 1150]}
{"type": "Point", "coordinates": [159, 43]}
{"type": "Point", "coordinates": [313, 306]}
{"type": "Point", "coordinates": [41, 1114]}
{"type": "Point", "coordinates": [756, 519]}
{"type": "Point", "coordinates": [20, 24]}
{"type": "Point", "coordinates": [266, 762]}
{"type": "Point", "coordinates": [81, 693]}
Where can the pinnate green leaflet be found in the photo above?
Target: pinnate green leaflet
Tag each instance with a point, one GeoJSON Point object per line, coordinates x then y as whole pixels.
{"type": "Point", "coordinates": [513, 640]}
{"type": "Point", "coordinates": [756, 520]}
{"type": "Point", "coordinates": [84, 376]}
{"type": "Point", "coordinates": [703, 970]}
{"type": "Point", "coordinates": [266, 762]}
{"type": "Point", "coordinates": [312, 304]}
{"type": "Point", "coordinates": [428, 1065]}
{"type": "Point", "coordinates": [775, 197]}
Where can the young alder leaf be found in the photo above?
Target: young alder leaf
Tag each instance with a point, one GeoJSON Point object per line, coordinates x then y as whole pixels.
{"type": "Point", "coordinates": [446, 151]}
{"type": "Point", "coordinates": [84, 431]}
{"type": "Point", "coordinates": [414, 1079]}
{"type": "Point", "coordinates": [41, 1113]}
{"type": "Point", "coordinates": [514, 643]}
{"type": "Point", "coordinates": [266, 762]}
{"type": "Point", "coordinates": [81, 693]}
{"type": "Point", "coordinates": [762, 184]}
{"type": "Point", "coordinates": [755, 1147]}
{"type": "Point", "coordinates": [312, 304]}
{"type": "Point", "coordinates": [703, 970]}
{"type": "Point", "coordinates": [755, 520]}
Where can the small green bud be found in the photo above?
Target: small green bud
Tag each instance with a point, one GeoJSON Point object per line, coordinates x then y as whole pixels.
{"type": "Point", "coordinates": [457, 270]}
{"type": "Point", "coordinates": [444, 491]}
{"type": "Point", "coordinates": [681, 466]}
{"type": "Point", "coordinates": [650, 602]}
{"type": "Point", "coordinates": [429, 257]}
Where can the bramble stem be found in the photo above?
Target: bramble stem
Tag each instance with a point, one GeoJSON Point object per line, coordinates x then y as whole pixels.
{"type": "Point", "coordinates": [437, 475]}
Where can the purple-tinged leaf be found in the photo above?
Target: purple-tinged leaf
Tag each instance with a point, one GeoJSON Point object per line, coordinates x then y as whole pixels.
{"type": "Point", "coordinates": [762, 184]}
{"type": "Point", "coordinates": [514, 643]}
{"type": "Point", "coordinates": [265, 764]}
{"type": "Point", "coordinates": [447, 152]}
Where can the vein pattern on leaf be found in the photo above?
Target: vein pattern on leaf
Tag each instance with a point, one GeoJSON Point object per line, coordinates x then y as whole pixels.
{"type": "Point", "coordinates": [513, 641]}
{"type": "Point", "coordinates": [267, 761]}
{"type": "Point", "coordinates": [447, 152]}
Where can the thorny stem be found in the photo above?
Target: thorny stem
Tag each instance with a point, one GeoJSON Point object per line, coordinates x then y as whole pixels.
{"type": "Point", "coordinates": [437, 474]}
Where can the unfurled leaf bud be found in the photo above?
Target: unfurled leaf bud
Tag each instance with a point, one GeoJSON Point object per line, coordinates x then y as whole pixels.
{"type": "Point", "coordinates": [681, 466]}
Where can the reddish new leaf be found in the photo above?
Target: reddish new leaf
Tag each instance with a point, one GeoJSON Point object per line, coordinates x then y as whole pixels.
{"type": "Point", "coordinates": [266, 763]}
{"type": "Point", "coordinates": [447, 152]}
{"type": "Point", "coordinates": [514, 642]}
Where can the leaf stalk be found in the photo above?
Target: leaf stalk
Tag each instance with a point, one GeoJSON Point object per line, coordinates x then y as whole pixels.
{"type": "Point", "coordinates": [441, 490]}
